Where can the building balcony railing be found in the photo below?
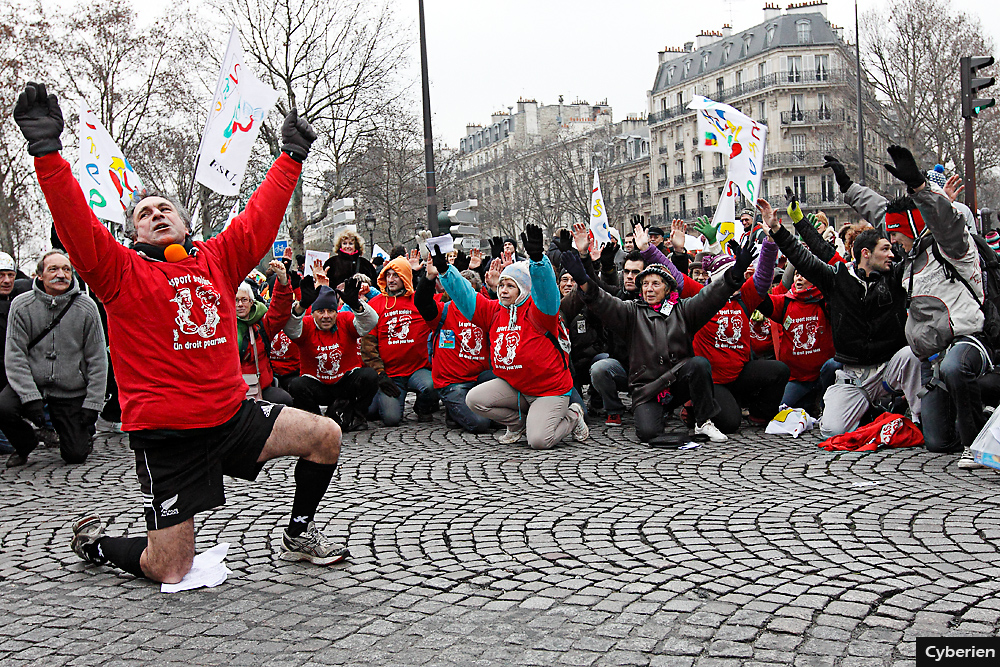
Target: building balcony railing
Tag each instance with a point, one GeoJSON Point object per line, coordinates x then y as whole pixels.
{"type": "Point", "coordinates": [794, 159]}
{"type": "Point", "coordinates": [820, 77]}
{"type": "Point", "coordinates": [718, 172]}
{"type": "Point", "coordinates": [664, 149]}
{"type": "Point", "coordinates": [655, 219]}
{"type": "Point", "coordinates": [662, 183]}
{"type": "Point", "coordinates": [678, 145]}
{"type": "Point", "coordinates": [680, 179]}
{"type": "Point", "coordinates": [697, 176]}
{"type": "Point", "coordinates": [813, 116]}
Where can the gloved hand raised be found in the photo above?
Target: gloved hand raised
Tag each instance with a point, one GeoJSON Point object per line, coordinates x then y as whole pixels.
{"type": "Point", "coordinates": [844, 181]}
{"type": "Point", "coordinates": [608, 254]}
{"type": "Point", "coordinates": [462, 261]}
{"type": "Point", "coordinates": [307, 288]}
{"type": "Point", "coordinates": [387, 386]}
{"type": "Point", "coordinates": [794, 211]}
{"type": "Point", "coordinates": [905, 168]}
{"type": "Point", "coordinates": [744, 258]}
{"type": "Point", "coordinates": [440, 260]}
{"type": "Point", "coordinates": [297, 136]}
{"type": "Point", "coordinates": [574, 267]}
{"type": "Point", "coordinates": [531, 239]}
{"type": "Point", "coordinates": [40, 119]}
{"type": "Point", "coordinates": [564, 241]}
{"type": "Point", "coordinates": [496, 247]}
{"type": "Point", "coordinates": [706, 228]}
{"type": "Point", "coordinates": [349, 295]}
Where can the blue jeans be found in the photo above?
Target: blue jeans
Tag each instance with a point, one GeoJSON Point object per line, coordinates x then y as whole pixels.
{"type": "Point", "coordinates": [952, 415]}
{"type": "Point", "coordinates": [453, 397]}
{"type": "Point", "coordinates": [608, 377]}
{"type": "Point", "coordinates": [801, 394]}
{"type": "Point", "coordinates": [390, 410]}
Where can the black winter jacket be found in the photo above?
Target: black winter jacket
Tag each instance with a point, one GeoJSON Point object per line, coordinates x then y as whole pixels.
{"type": "Point", "coordinates": [867, 313]}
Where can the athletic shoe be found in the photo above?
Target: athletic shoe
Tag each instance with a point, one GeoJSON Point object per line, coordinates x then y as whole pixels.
{"type": "Point", "coordinates": [710, 430]}
{"type": "Point", "coordinates": [87, 530]}
{"type": "Point", "coordinates": [613, 420]}
{"type": "Point", "coordinates": [581, 431]}
{"type": "Point", "coordinates": [15, 460]}
{"type": "Point", "coordinates": [425, 418]}
{"type": "Point", "coordinates": [968, 462]}
{"type": "Point", "coordinates": [510, 436]}
{"type": "Point", "coordinates": [313, 546]}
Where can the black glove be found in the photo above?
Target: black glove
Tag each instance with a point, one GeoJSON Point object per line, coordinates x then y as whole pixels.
{"type": "Point", "coordinates": [297, 136]}
{"type": "Point", "coordinates": [898, 253]}
{"type": "Point", "coordinates": [89, 416]}
{"type": "Point", "coordinates": [839, 172]}
{"type": "Point", "coordinates": [461, 261]}
{"type": "Point", "coordinates": [439, 260]}
{"type": "Point", "coordinates": [307, 289]}
{"type": "Point", "coordinates": [387, 386]}
{"type": "Point", "coordinates": [294, 279]}
{"type": "Point", "coordinates": [33, 411]}
{"type": "Point", "coordinates": [905, 168]}
{"type": "Point", "coordinates": [744, 258]}
{"type": "Point", "coordinates": [496, 247]}
{"type": "Point", "coordinates": [564, 241]}
{"type": "Point", "coordinates": [349, 295]}
{"type": "Point", "coordinates": [531, 239]}
{"type": "Point", "coordinates": [574, 267]}
{"type": "Point", "coordinates": [40, 119]}
{"type": "Point", "coordinates": [608, 254]}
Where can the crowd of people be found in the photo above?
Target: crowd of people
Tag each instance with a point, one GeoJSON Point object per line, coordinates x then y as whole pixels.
{"type": "Point", "coordinates": [532, 340]}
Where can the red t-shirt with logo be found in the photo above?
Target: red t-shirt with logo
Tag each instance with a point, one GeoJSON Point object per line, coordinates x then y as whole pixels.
{"type": "Point", "coordinates": [329, 355]}
{"type": "Point", "coordinates": [761, 341]}
{"type": "Point", "coordinates": [402, 335]}
{"type": "Point", "coordinates": [284, 355]}
{"type": "Point", "coordinates": [460, 350]}
{"type": "Point", "coordinates": [806, 336]}
{"type": "Point", "coordinates": [725, 339]}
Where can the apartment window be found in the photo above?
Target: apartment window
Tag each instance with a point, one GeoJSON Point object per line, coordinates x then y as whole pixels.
{"type": "Point", "coordinates": [747, 40]}
{"type": "Point", "coordinates": [798, 102]}
{"type": "Point", "coordinates": [461, 145]}
{"type": "Point", "coordinates": [697, 163]}
{"type": "Point", "coordinates": [663, 103]}
{"type": "Point", "coordinates": [680, 99]}
{"type": "Point", "coordinates": [680, 167]}
{"type": "Point", "coordinates": [826, 187]}
{"type": "Point", "coordinates": [666, 208]}
{"type": "Point", "coordinates": [725, 52]}
{"type": "Point", "coordinates": [799, 186]}
{"type": "Point", "coordinates": [761, 70]}
{"type": "Point", "coordinates": [803, 30]}
{"type": "Point", "coordinates": [646, 179]}
{"type": "Point", "coordinates": [822, 68]}
{"type": "Point", "coordinates": [794, 69]}
{"type": "Point", "coordinates": [770, 34]}
{"type": "Point", "coordinates": [720, 85]}
{"type": "Point", "coordinates": [799, 143]}
{"type": "Point", "coordinates": [739, 77]}
{"type": "Point", "coordinates": [718, 159]}
{"type": "Point", "coordinates": [687, 67]}
{"type": "Point", "coordinates": [764, 188]}
{"type": "Point", "coordinates": [701, 202]}
{"type": "Point", "coordinates": [760, 111]}
{"type": "Point", "coordinates": [704, 60]}
{"type": "Point", "coordinates": [824, 107]}
{"type": "Point", "coordinates": [682, 201]}
{"type": "Point", "coordinates": [663, 172]}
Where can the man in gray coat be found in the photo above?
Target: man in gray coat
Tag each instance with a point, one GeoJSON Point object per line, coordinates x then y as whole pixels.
{"type": "Point", "coordinates": [64, 366]}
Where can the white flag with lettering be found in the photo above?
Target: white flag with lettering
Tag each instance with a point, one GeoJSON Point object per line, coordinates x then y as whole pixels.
{"type": "Point", "coordinates": [240, 104]}
{"type": "Point", "coordinates": [598, 215]}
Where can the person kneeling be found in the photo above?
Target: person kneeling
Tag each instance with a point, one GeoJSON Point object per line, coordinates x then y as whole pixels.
{"type": "Point", "coordinates": [663, 370]}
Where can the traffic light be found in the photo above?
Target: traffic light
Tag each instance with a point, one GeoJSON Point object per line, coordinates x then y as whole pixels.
{"type": "Point", "coordinates": [444, 223]}
{"type": "Point", "coordinates": [971, 103]}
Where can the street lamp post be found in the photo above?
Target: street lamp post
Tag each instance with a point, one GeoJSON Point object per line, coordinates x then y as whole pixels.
{"type": "Point", "coordinates": [370, 221]}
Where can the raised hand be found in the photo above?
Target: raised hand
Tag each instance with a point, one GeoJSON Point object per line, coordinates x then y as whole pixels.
{"type": "Point", "coordinates": [767, 214]}
{"type": "Point", "coordinates": [279, 270]}
{"type": "Point", "coordinates": [608, 254]}
{"type": "Point", "coordinates": [40, 119]}
{"type": "Point", "coordinates": [439, 263]}
{"type": "Point", "coordinates": [506, 259]}
{"type": "Point", "coordinates": [492, 278]}
{"type": "Point", "coordinates": [678, 235]}
{"type": "Point", "coordinates": [415, 262]}
{"type": "Point", "coordinates": [297, 136]}
{"type": "Point", "coordinates": [794, 210]}
{"type": "Point", "coordinates": [319, 273]}
{"type": "Point", "coordinates": [308, 291]}
{"type": "Point", "coordinates": [707, 229]}
{"type": "Point", "coordinates": [954, 187]}
{"type": "Point", "coordinates": [496, 246]}
{"type": "Point", "coordinates": [844, 181]}
{"type": "Point", "coordinates": [574, 267]}
{"type": "Point", "coordinates": [350, 293]}
{"type": "Point", "coordinates": [531, 239]}
{"type": "Point", "coordinates": [581, 236]}
{"type": "Point", "coordinates": [461, 261]}
{"type": "Point", "coordinates": [905, 168]}
{"type": "Point", "coordinates": [640, 237]}
{"type": "Point", "coordinates": [744, 258]}
{"type": "Point", "coordinates": [475, 258]}
{"type": "Point", "coordinates": [564, 240]}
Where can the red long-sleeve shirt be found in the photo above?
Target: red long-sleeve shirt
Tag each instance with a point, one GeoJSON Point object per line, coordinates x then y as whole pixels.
{"type": "Point", "coordinates": [171, 325]}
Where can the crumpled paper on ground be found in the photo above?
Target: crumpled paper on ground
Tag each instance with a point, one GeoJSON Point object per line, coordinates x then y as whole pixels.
{"type": "Point", "coordinates": [207, 571]}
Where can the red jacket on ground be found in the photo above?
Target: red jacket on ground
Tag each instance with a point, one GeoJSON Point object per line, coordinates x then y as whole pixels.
{"type": "Point", "coordinates": [171, 325]}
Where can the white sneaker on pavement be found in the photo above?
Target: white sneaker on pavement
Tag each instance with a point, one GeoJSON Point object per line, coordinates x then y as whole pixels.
{"type": "Point", "coordinates": [711, 431]}
{"type": "Point", "coordinates": [968, 462]}
{"type": "Point", "coordinates": [510, 436]}
{"type": "Point", "coordinates": [581, 431]}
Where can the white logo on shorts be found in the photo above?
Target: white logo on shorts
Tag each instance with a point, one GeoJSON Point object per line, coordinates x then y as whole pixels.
{"type": "Point", "coordinates": [265, 408]}
{"type": "Point", "coordinates": [167, 506]}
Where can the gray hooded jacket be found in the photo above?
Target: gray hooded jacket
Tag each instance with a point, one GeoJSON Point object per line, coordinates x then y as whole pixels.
{"type": "Point", "coordinates": [71, 361]}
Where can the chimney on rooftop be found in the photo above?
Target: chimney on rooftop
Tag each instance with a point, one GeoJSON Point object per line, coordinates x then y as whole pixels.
{"type": "Point", "coordinates": [771, 11]}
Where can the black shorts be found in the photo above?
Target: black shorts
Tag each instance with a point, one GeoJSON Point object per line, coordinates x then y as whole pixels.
{"type": "Point", "coordinates": [180, 472]}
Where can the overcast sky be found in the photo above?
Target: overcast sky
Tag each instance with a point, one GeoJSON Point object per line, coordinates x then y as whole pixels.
{"type": "Point", "coordinates": [483, 56]}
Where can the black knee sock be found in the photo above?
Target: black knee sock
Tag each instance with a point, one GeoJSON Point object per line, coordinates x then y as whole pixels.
{"type": "Point", "coordinates": [122, 552]}
{"type": "Point", "coordinates": [311, 482]}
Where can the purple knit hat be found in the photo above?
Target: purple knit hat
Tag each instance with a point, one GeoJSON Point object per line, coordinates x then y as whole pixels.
{"type": "Point", "coordinates": [716, 265]}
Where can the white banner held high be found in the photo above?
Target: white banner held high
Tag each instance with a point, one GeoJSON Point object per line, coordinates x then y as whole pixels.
{"type": "Point", "coordinates": [240, 104]}
{"type": "Point", "coordinates": [598, 215]}
{"type": "Point", "coordinates": [105, 175]}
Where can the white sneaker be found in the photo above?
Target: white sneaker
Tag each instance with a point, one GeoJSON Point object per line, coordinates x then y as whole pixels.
{"type": "Point", "coordinates": [968, 462]}
{"type": "Point", "coordinates": [711, 431]}
{"type": "Point", "coordinates": [581, 431]}
{"type": "Point", "coordinates": [511, 436]}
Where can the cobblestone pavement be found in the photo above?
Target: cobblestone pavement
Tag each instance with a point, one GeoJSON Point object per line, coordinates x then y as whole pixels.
{"type": "Point", "coordinates": [762, 551]}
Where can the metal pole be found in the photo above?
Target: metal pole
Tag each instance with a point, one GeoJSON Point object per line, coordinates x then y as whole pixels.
{"type": "Point", "coordinates": [861, 113]}
{"type": "Point", "coordinates": [432, 222]}
{"type": "Point", "coordinates": [970, 168]}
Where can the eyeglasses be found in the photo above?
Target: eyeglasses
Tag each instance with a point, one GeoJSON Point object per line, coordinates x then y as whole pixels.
{"type": "Point", "coordinates": [631, 272]}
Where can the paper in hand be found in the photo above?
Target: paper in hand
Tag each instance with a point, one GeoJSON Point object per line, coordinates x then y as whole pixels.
{"type": "Point", "coordinates": [446, 243]}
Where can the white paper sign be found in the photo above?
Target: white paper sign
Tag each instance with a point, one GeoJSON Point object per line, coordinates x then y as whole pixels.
{"type": "Point", "coordinates": [446, 243]}
{"type": "Point", "coordinates": [312, 256]}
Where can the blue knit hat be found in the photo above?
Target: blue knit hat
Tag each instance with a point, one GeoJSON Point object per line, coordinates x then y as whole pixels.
{"type": "Point", "coordinates": [936, 175]}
